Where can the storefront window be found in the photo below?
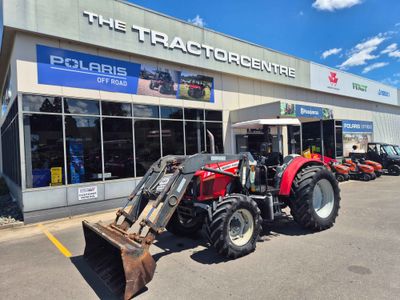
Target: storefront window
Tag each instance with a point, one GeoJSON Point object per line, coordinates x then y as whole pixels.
{"type": "Point", "coordinates": [172, 137]}
{"type": "Point", "coordinates": [339, 139]}
{"type": "Point", "coordinates": [116, 109]}
{"type": "Point", "coordinates": [118, 148]}
{"type": "Point", "coordinates": [83, 149]}
{"type": "Point", "coordinates": [216, 130]}
{"type": "Point", "coordinates": [168, 112]}
{"type": "Point", "coordinates": [37, 103]}
{"type": "Point", "coordinates": [194, 133]}
{"type": "Point", "coordinates": [145, 111]}
{"type": "Point", "coordinates": [44, 155]}
{"type": "Point", "coordinates": [194, 114]}
{"type": "Point", "coordinates": [213, 115]}
{"type": "Point", "coordinates": [311, 132]}
{"type": "Point", "coordinates": [147, 144]}
{"type": "Point", "coordinates": [294, 139]}
{"type": "Point", "coordinates": [85, 107]}
{"type": "Point", "coordinates": [329, 138]}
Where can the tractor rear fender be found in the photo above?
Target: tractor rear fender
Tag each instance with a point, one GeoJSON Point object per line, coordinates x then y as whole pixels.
{"type": "Point", "coordinates": [291, 170]}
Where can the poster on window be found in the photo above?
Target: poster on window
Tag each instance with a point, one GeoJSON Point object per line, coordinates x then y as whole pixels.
{"type": "Point", "coordinates": [356, 134]}
{"type": "Point", "coordinates": [158, 82]}
{"type": "Point", "coordinates": [196, 87]}
{"type": "Point", "coordinates": [76, 163]}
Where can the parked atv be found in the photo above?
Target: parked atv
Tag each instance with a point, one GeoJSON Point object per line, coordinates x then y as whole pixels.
{"type": "Point", "coordinates": [196, 89]}
{"type": "Point", "coordinates": [386, 155]}
{"type": "Point", "coordinates": [359, 171]}
{"type": "Point", "coordinates": [163, 82]}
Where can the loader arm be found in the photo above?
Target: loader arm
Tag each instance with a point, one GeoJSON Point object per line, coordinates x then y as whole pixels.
{"type": "Point", "coordinates": [119, 252]}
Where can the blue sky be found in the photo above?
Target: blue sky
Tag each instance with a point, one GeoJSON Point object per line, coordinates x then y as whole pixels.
{"type": "Point", "coordinates": [359, 36]}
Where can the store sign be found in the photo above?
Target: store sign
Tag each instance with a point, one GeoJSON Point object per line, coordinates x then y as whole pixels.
{"type": "Point", "coordinates": [341, 83]}
{"type": "Point", "coordinates": [194, 48]}
{"type": "Point", "coordinates": [308, 112]}
{"type": "Point", "coordinates": [87, 193]}
{"type": "Point", "coordinates": [79, 70]}
{"type": "Point", "coordinates": [305, 111]}
{"type": "Point", "coordinates": [357, 126]}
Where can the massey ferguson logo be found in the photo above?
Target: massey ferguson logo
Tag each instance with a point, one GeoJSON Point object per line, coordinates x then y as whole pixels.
{"type": "Point", "coordinates": [333, 79]}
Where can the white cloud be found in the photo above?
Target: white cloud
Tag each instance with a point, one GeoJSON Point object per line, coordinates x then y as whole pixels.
{"type": "Point", "coordinates": [362, 52]}
{"type": "Point", "coordinates": [392, 82]}
{"type": "Point", "coordinates": [374, 66]}
{"type": "Point", "coordinates": [332, 5]}
{"type": "Point", "coordinates": [198, 21]}
{"type": "Point", "coordinates": [397, 24]}
{"type": "Point", "coordinates": [330, 52]}
{"type": "Point", "coordinates": [395, 54]}
{"type": "Point", "coordinates": [301, 13]}
{"type": "Point", "coordinates": [390, 48]}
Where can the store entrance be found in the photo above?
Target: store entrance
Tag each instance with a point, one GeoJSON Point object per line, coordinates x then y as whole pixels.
{"type": "Point", "coordinates": [319, 137]}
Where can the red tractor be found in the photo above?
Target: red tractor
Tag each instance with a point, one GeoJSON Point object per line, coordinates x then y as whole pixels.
{"type": "Point", "coordinates": [196, 89]}
{"type": "Point", "coordinates": [231, 195]}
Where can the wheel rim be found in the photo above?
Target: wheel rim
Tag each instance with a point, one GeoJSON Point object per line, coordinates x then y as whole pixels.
{"type": "Point", "coordinates": [323, 198]}
{"type": "Point", "coordinates": [241, 227]}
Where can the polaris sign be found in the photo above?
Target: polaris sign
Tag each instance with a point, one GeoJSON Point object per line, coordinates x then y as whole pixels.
{"type": "Point", "coordinates": [79, 70]}
{"type": "Point", "coordinates": [357, 126]}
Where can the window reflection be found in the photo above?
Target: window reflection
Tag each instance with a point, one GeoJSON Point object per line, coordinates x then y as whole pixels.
{"type": "Point", "coordinates": [172, 137]}
{"type": "Point", "coordinates": [38, 103]}
{"type": "Point", "coordinates": [83, 149]}
{"type": "Point", "coordinates": [118, 148]}
{"type": "Point", "coordinates": [116, 109]}
{"type": "Point", "coordinates": [77, 106]}
{"type": "Point", "coordinates": [147, 144]}
{"type": "Point", "coordinates": [44, 154]}
{"type": "Point", "coordinates": [216, 130]}
{"type": "Point", "coordinates": [194, 134]}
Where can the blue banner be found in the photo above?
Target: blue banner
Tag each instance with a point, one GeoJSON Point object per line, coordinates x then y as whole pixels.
{"type": "Point", "coordinates": [357, 126]}
{"type": "Point", "coordinates": [79, 70]}
{"type": "Point", "coordinates": [304, 111]}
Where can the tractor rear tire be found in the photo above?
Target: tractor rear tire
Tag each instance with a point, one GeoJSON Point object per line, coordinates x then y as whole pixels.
{"type": "Point", "coordinates": [235, 225]}
{"type": "Point", "coordinates": [315, 200]}
{"type": "Point", "coordinates": [180, 226]}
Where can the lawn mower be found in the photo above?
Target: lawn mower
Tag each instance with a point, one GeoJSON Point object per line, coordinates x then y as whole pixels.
{"type": "Point", "coordinates": [229, 194]}
{"type": "Point", "coordinates": [359, 171]}
{"type": "Point", "coordinates": [386, 155]}
{"type": "Point", "coordinates": [341, 171]}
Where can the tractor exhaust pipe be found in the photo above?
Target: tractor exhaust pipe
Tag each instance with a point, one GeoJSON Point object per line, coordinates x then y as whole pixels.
{"type": "Point", "coordinates": [212, 141]}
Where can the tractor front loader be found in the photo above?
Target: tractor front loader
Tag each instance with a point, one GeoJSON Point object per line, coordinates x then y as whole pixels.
{"type": "Point", "coordinates": [230, 194]}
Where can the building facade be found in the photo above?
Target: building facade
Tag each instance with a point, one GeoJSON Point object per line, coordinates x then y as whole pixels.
{"type": "Point", "coordinates": [90, 98]}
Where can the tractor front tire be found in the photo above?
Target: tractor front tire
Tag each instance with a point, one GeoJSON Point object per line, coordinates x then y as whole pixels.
{"type": "Point", "coordinates": [235, 225]}
{"type": "Point", "coordinates": [315, 199]}
{"type": "Point", "coordinates": [181, 226]}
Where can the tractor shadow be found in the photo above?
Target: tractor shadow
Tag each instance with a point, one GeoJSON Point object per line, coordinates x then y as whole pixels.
{"type": "Point", "coordinates": [197, 245]}
{"type": "Point", "coordinates": [202, 252]}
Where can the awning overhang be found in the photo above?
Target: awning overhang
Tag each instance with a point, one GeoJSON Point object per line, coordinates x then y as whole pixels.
{"type": "Point", "coordinates": [259, 123]}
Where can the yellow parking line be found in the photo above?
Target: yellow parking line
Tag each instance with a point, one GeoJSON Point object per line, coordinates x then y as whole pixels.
{"type": "Point", "coordinates": [56, 242]}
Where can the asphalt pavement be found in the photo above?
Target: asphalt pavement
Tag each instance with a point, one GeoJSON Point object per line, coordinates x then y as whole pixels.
{"type": "Point", "coordinates": [359, 258]}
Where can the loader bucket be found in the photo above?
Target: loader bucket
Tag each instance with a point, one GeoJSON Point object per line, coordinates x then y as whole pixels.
{"type": "Point", "coordinates": [123, 265]}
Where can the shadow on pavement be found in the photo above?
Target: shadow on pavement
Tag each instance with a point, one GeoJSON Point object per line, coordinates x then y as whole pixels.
{"type": "Point", "coordinates": [92, 279]}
